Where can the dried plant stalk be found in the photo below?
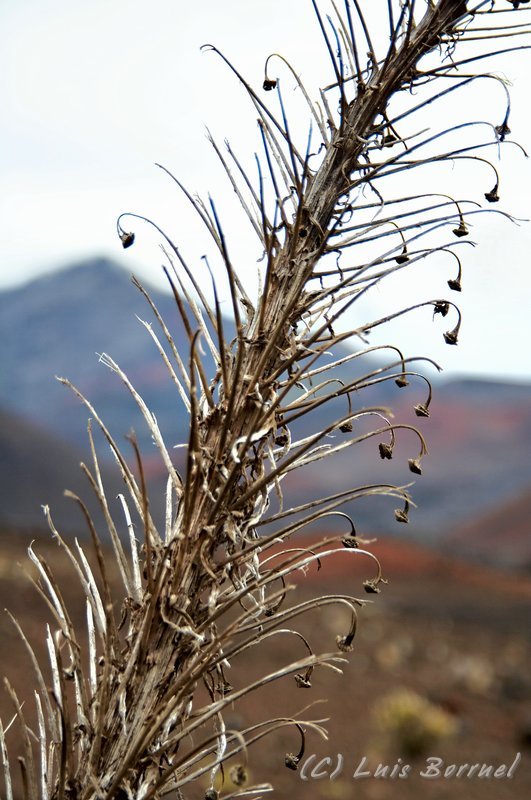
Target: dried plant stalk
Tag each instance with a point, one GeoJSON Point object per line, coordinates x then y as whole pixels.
{"type": "Point", "coordinates": [146, 714]}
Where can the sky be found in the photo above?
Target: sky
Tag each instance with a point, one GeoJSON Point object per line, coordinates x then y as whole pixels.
{"type": "Point", "coordinates": [93, 95]}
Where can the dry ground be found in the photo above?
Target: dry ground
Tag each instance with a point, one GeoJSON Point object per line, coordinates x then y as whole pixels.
{"type": "Point", "coordinates": [455, 634]}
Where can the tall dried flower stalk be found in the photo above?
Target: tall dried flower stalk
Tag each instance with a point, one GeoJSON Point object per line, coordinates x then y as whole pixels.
{"type": "Point", "coordinates": [145, 716]}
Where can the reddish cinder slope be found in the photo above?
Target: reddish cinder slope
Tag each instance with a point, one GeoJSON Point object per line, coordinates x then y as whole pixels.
{"type": "Point", "coordinates": [402, 560]}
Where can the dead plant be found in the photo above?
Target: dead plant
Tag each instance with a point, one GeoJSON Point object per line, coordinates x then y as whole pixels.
{"type": "Point", "coordinates": [213, 583]}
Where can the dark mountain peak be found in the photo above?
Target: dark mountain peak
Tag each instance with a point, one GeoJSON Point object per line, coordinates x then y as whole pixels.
{"type": "Point", "coordinates": [96, 292]}
{"type": "Point", "coordinates": [82, 282]}
{"type": "Point", "coordinates": [102, 264]}
{"type": "Point", "coordinates": [90, 280]}
{"type": "Point", "coordinates": [90, 270]}
{"type": "Point", "coordinates": [58, 324]}
{"type": "Point", "coordinates": [81, 271]}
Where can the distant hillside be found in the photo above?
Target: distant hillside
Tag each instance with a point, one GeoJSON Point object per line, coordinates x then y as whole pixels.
{"type": "Point", "coordinates": [503, 535]}
{"type": "Point", "coordinates": [35, 468]}
{"type": "Point", "coordinates": [479, 438]}
{"type": "Point", "coordinates": [479, 432]}
{"type": "Point", "coordinates": [58, 324]}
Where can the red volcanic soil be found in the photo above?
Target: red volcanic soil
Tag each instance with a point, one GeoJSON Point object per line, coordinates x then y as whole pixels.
{"type": "Point", "coordinates": [402, 560]}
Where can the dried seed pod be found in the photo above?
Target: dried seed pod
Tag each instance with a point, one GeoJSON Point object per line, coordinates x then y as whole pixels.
{"type": "Point", "coordinates": [403, 257]}
{"type": "Point", "coordinates": [346, 427]}
{"type": "Point", "coordinates": [503, 129]}
{"type": "Point", "coordinates": [211, 794]}
{"type": "Point", "coordinates": [127, 239]}
{"type": "Point", "coordinates": [462, 230]}
{"type": "Point", "coordinates": [386, 450]}
{"type": "Point", "coordinates": [371, 587]}
{"type": "Point", "coordinates": [421, 410]}
{"type": "Point", "coordinates": [441, 307]}
{"type": "Point", "coordinates": [402, 382]}
{"type": "Point", "coordinates": [389, 140]}
{"type": "Point", "coordinates": [350, 542]}
{"type": "Point", "coordinates": [401, 515]}
{"type": "Point", "coordinates": [344, 643]}
{"type": "Point", "coordinates": [302, 681]}
{"type": "Point", "coordinates": [238, 775]}
{"type": "Point", "coordinates": [454, 284]}
{"type": "Point", "coordinates": [493, 195]}
{"type": "Point", "coordinates": [414, 466]}
{"type": "Point", "coordinates": [269, 84]}
{"type": "Point", "coordinates": [450, 337]}
{"type": "Point", "coordinates": [291, 761]}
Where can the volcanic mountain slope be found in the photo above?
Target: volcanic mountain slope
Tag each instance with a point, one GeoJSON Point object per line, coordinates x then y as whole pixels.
{"type": "Point", "coordinates": [503, 535]}
{"type": "Point", "coordinates": [478, 434]}
{"type": "Point", "coordinates": [59, 324]}
{"type": "Point", "coordinates": [35, 469]}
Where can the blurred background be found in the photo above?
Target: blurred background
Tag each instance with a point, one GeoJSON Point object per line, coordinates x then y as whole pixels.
{"type": "Point", "coordinates": [93, 95]}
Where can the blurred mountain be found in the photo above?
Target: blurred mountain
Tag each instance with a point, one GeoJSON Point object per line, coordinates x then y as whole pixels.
{"type": "Point", "coordinates": [35, 469]}
{"type": "Point", "coordinates": [479, 438]}
{"type": "Point", "coordinates": [59, 324]}
{"type": "Point", "coordinates": [503, 535]}
{"type": "Point", "coordinates": [478, 433]}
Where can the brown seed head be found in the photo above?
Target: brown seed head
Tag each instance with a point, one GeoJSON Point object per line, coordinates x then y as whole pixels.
{"type": "Point", "coordinates": [503, 129]}
{"type": "Point", "coordinates": [386, 450]}
{"type": "Point", "coordinates": [462, 230]}
{"type": "Point", "coordinates": [414, 466]}
{"type": "Point", "coordinates": [127, 239]}
{"type": "Point", "coordinates": [493, 195]}
{"type": "Point", "coordinates": [402, 382]}
{"type": "Point", "coordinates": [350, 542]}
{"type": "Point", "coordinates": [441, 307]}
{"type": "Point", "coordinates": [450, 337]}
{"type": "Point", "coordinates": [238, 775]}
{"type": "Point", "coordinates": [291, 761]}
{"type": "Point", "coordinates": [344, 644]}
{"type": "Point", "coordinates": [401, 515]}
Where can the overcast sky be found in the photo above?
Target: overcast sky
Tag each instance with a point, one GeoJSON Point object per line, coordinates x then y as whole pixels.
{"type": "Point", "coordinates": [93, 94]}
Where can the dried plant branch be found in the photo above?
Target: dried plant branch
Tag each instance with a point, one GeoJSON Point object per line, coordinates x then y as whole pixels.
{"type": "Point", "coordinates": [211, 587]}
